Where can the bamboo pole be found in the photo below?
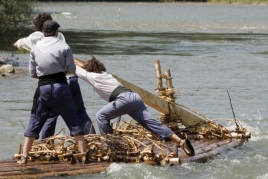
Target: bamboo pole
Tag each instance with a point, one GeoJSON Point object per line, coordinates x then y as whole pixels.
{"type": "Point", "coordinates": [170, 89]}
{"type": "Point", "coordinates": [20, 149]}
{"type": "Point", "coordinates": [158, 74]}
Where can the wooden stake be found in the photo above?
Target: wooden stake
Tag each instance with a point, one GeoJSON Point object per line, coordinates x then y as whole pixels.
{"type": "Point", "coordinates": [158, 74]}
{"type": "Point", "coordinates": [20, 149]}
{"type": "Point", "coordinates": [169, 83]}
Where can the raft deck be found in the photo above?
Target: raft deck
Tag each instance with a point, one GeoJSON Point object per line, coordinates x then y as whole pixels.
{"type": "Point", "coordinates": [38, 169]}
{"type": "Point", "coordinates": [207, 138]}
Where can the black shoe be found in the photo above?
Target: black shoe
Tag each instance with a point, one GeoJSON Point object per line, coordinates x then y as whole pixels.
{"type": "Point", "coordinates": [85, 159]}
{"type": "Point", "coordinates": [187, 147]}
{"type": "Point", "coordinates": [72, 160]}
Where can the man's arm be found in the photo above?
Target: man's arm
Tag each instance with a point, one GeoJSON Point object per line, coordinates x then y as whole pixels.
{"type": "Point", "coordinates": [79, 62]}
{"type": "Point", "coordinates": [24, 43]}
{"type": "Point", "coordinates": [16, 44]}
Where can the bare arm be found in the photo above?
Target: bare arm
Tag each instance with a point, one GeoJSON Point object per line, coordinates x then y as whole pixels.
{"type": "Point", "coordinates": [24, 43]}
{"type": "Point", "coordinates": [79, 62]}
{"type": "Point", "coordinates": [16, 45]}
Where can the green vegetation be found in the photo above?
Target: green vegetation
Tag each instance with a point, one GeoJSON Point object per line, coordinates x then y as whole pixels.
{"type": "Point", "coordinates": [239, 1]}
{"type": "Point", "coordinates": [15, 17]}
{"type": "Point", "coordinates": [210, 1]}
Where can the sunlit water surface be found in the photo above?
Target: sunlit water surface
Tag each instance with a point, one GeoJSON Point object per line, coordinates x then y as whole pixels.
{"type": "Point", "coordinates": [208, 48]}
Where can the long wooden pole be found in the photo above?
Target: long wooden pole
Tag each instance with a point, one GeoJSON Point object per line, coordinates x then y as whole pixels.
{"type": "Point", "coordinates": [188, 117]}
{"type": "Point", "coordinates": [237, 126]}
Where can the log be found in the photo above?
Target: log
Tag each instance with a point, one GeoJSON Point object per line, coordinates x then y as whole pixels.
{"type": "Point", "coordinates": [38, 169]}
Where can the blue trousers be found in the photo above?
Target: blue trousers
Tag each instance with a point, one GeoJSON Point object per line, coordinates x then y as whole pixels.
{"type": "Point", "coordinates": [54, 97]}
{"type": "Point", "coordinates": [50, 124]}
{"type": "Point", "coordinates": [130, 103]}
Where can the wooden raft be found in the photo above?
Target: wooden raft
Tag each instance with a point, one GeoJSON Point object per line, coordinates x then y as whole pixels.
{"type": "Point", "coordinates": [9, 169]}
{"type": "Point", "coordinates": [130, 142]}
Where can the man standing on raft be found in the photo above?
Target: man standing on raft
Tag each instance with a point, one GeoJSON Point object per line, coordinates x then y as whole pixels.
{"type": "Point", "coordinates": [27, 43]}
{"type": "Point", "coordinates": [49, 60]}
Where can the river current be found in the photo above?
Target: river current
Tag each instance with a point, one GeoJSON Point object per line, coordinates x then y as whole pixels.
{"type": "Point", "coordinates": [208, 48]}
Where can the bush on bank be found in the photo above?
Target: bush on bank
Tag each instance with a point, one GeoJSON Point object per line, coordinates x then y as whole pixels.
{"type": "Point", "coordinates": [15, 17]}
{"type": "Point", "coordinates": [209, 1]}
{"type": "Point", "coordinates": [239, 1]}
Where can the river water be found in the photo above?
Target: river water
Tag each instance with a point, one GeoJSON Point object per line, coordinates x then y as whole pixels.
{"type": "Point", "coordinates": [208, 48]}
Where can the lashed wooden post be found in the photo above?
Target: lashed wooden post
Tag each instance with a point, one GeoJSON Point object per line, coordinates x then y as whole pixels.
{"type": "Point", "coordinates": [20, 149]}
{"type": "Point", "coordinates": [170, 90]}
{"type": "Point", "coordinates": [170, 119]}
{"type": "Point", "coordinates": [158, 74]}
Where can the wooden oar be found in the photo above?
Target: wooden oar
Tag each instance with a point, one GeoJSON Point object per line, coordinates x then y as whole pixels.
{"type": "Point", "coordinates": [188, 117]}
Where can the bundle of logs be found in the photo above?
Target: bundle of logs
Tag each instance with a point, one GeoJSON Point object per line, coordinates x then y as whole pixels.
{"type": "Point", "coordinates": [130, 143]}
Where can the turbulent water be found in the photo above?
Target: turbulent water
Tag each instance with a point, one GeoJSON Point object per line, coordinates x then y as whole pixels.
{"type": "Point", "coordinates": [208, 48]}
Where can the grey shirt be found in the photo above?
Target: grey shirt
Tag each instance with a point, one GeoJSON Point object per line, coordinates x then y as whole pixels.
{"type": "Point", "coordinates": [50, 56]}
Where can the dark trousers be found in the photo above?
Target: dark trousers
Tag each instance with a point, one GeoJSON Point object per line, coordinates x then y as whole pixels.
{"type": "Point", "coordinates": [54, 97]}
{"type": "Point", "coordinates": [130, 103]}
{"type": "Point", "coordinates": [50, 124]}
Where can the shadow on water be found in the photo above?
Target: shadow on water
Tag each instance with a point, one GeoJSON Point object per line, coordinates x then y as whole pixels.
{"type": "Point", "coordinates": [146, 43]}
{"type": "Point", "coordinates": [151, 43]}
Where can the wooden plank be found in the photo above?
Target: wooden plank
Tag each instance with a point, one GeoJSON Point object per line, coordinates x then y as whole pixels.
{"type": "Point", "coordinates": [188, 117]}
{"type": "Point", "coordinates": [205, 155]}
{"type": "Point", "coordinates": [148, 98]}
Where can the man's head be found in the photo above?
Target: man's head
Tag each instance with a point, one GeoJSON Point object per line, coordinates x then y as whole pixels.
{"type": "Point", "coordinates": [94, 66]}
{"type": "Point", "coordinates": [50, 28]}
{"type": "Point", "coordinates": [40, 19]}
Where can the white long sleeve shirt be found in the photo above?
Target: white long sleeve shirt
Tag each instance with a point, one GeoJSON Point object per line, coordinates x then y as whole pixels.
{"type": "Point", "coordinates": [104, 83]}
{"type": "Point", "coordinates": [28, 42]}
{"type": "Point", "coordinates": [50, 56]}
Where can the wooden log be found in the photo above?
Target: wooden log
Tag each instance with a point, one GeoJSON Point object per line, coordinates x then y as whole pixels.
{"type": "Point", "coordinates": [38, 169]}
{"type": "Point", "coordinates": [158, 74]}
{"type": "Point", "coordinates": [169, 83]}
{"type": "Point", "coordinates": [205, 155]}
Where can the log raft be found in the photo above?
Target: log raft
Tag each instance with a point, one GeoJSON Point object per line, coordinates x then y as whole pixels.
{"type": "Point", "coordinates": [9, 169]}
{"type": "Point", "coordinates": [130, 143]}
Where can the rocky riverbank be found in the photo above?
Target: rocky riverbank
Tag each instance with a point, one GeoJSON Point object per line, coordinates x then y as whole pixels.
{"type": "Point", "coordinates": [8, 70]}
{"type": "Point", "coordinates": [8, 62]}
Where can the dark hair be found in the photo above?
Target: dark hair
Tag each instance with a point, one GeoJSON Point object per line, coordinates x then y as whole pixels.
{"type": "Point", "coordinates": [48, 34]}
{"type": "Point", "coordinates": [40, 19]}
{"type": "Point", "coordinates": [94, 65]}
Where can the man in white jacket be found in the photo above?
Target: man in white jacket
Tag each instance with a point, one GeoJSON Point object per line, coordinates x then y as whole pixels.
{"type": "Point", "coordinates": [27, 43]}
